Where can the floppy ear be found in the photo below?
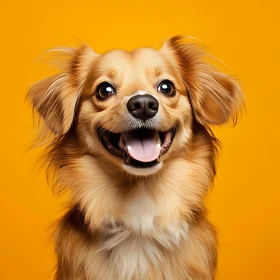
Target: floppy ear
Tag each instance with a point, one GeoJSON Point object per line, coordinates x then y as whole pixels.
{"type": "Point", "coordinates": [55, 98]}
{"type": "Point", "coordinates": [215, 96]}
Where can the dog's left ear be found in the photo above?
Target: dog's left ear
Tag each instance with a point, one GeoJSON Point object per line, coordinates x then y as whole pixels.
{"type": "Point", "coordinates": [215, 96]}
{"type": "Point", "coordinates": [55, 98]}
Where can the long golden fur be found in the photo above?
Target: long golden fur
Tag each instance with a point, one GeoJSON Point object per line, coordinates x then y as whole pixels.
{"type": "Point", "coordinates": [129, 223]}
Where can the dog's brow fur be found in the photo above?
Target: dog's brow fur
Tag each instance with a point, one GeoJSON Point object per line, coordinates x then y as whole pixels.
{"type": "Point", "coordinates": [121, 226]}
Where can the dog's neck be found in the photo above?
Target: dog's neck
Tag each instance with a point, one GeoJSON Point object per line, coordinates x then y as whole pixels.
{"type": "Point", "coordinates": [162, 200]}
{"type": "Point", "coordinates": [142, 222]}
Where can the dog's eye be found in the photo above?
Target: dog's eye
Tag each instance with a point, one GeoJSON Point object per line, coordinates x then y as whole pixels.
{"type": "Point", "coordinates": [104, 90]}
{"type": "Point", "coordinates": [167, 88]}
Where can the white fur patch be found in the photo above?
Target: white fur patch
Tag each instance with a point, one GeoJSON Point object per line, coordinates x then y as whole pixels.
{"type": "Point", "coordinates": [143, 92]}
{"type": "Point", "coordinates": [141, 212]}
{"type": "Point", "coordinates": [137, 243]}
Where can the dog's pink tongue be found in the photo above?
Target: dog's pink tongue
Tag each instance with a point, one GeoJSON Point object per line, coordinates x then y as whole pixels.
{"type": "Point", "coordinates": [143, 146]}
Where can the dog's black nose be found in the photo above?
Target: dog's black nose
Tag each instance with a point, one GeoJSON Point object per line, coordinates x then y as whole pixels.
{"type": "Point", "coordinates": [142, 106]}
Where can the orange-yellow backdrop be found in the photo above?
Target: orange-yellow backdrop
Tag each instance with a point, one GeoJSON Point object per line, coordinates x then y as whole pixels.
{"type": "Point", "coordinates": [244, 204]}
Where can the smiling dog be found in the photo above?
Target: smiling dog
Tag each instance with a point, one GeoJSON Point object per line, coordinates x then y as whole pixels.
{"type": "Point", "coordinates": [132, 143]}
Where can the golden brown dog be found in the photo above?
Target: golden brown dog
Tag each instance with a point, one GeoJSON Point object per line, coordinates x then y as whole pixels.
{"type": "Point", "coordinates": [132, 143]}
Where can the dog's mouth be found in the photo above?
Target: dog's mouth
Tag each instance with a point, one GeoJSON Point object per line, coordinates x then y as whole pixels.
{"type": "Point", "coordinates": [141, 148]}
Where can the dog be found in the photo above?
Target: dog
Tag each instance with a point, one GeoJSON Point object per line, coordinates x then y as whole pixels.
{"type": "Point", "coordinates": [131, 141]}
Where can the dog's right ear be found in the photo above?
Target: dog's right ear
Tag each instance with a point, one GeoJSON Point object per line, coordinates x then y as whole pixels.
{"type": "Point", "coordinates": [55, 98]}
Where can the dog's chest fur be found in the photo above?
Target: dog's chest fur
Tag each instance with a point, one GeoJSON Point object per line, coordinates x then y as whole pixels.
{"type": "Point", "coordinates": [137, 244]}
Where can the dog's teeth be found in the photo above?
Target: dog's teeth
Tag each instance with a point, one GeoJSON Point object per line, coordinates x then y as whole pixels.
{"type": "Point", "coordinates": [158, 139]}
{"type": "Point", "coordinates": [121, 142]}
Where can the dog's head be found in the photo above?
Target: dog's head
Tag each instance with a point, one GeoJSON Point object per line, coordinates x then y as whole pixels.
{"type": "Point", "coordinates": [136, 110]}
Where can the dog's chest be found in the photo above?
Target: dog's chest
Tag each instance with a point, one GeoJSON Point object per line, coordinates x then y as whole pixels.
{"type": "Point", "coordinates": [141, 212]}
{"type": "Point", "coordinates": [137, 243]}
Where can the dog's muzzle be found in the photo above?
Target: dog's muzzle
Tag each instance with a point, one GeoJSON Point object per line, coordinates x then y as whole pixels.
{"type": "Point", "coordinates": [143, 146]}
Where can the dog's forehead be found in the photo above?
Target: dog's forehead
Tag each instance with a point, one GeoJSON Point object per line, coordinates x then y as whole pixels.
{"type": "Point", "coordinates": [142, 59]}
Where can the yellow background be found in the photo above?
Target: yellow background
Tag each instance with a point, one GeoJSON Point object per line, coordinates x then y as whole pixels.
{"type": "Point", "coordinates": [244, 204]}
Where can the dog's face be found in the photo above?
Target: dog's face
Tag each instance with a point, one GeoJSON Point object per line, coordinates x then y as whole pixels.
{"type": "Point", "coordinates": [136, 109]}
